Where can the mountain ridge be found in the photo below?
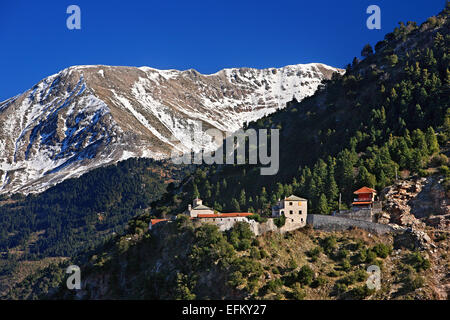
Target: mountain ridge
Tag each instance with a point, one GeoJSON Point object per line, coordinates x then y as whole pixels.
{"type": "Point", "coordinates": [88, 116]}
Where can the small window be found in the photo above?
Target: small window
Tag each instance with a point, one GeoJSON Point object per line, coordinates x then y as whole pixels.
{"type": "Point", "coordinates": [281, 212]}
{"type": "Point", "coordinates": [302, 219]}
{"type": "Point", "coordinates": [292, 220]}
{"type": "Point", "coordinates": [291, 212]}
{"type": "Point", "coordinates": [299, 211]}
{"type": "Point", "coordinates": [290, 203]}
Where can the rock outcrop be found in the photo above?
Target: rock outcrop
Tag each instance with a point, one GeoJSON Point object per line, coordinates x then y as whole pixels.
{"type": "Point", "coordinates": [416, 203]}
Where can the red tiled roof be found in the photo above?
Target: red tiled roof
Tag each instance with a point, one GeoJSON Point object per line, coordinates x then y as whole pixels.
{"type": "Point", "coordinates": [155, 221]}
{"type": "Point", "coordinates": [225, 215]}
{"type": "Point", "coordinates": [365, 190]}
{"type": "Point", "coordinates": [362, 202]}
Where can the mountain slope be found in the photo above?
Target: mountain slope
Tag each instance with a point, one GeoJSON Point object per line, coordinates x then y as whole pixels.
{"type": "Point", "coordinates": [89, 116]}
{"type": "Point", "coordinates": [389, 114]}
{"type": "Point", "coordinates": [362, 128]}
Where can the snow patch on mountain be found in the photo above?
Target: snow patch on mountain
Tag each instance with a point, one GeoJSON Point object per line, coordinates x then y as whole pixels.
{"type": "Point", "coordinates": [89, 116]}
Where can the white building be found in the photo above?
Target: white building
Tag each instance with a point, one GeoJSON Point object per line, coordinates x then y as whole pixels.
{"type": "Point", "coordinates": [197, 208]}
{"type": "Point", "coordinates": [294, 208]}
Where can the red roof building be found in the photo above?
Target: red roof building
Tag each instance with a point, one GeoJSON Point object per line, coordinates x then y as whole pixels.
{"type": "Point", "coordinates": [366, 197]}
{"type": "Point", "coordinates": [155, 221]}
{"type": "Point", "coordinates": [225, 215]}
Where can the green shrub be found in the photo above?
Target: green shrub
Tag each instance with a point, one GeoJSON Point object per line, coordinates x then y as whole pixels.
{"type": "Point", "coordinates": [236, 279]}
{"type": "Point", "coordinates": [444, 170]}
{"type": "Point", "coordinates": [333, 274]}
{"type": "Point", "coordinates": [273, 285]}
{"type": "Point", "coordinates": [361, 275]}
{"type": "Point", "coordinates": [361, 292]}
{"type": "Point", "coordinates": [340, 288]}
{"type": "Point", "coordinates": [257, 218]}
{"type": "Point", "coordinates": [382, 250]}
{"type": "Point", "coordinates": [245, 244]}
{"type": "Point", "coordinates": [413, 282]}
{"type": "Point", "coordinates": [343, 254]}
{"type": "Point", "coordinates": [255, 253]}
{"type": "Point", "coordinates": [319, 282]}
{"type": "Point", "coordinates": [292, 264]}
{"type": "Point", "coordinates": [439, 160]}
{"type": "Point", "coordinates": [305, 275]}
{"type": "Point", "coordinates": [362, 256]}
{"type": "Point", "coordinates": [418, 262]}
{"type": "Point", "coordinates": [298, 293]}
{"type": "Point", "coordinates": [329, 244]}
{"type": "Point", "coordinates": [263, 253]}
{"type": "Point", "coordinates": [314, 253]}
{"type": "Point", "coordinates": [280, 221]}
{"type": "Point", "coordinates": [345, 264]}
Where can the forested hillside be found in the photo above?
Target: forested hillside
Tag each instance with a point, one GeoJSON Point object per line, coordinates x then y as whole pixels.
{"type": "Point", "coordinates": [186, 260]}
{"type": "Point", "coordinates": [79, 213]}
{"type": "Point", "coordinates": [389, 114]}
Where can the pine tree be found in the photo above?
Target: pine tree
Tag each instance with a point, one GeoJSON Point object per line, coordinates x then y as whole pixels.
{"type": "Point", "coordinates": [367, 51]}
{"type": "Point", "coordinates": [217, 206]}
{"type": "Point", "coordinates": [431, 140]}
{"type": "Point", "coordinates": [195, 192]}
{"type": "Point", "coordinates": [331, 186]}
{"type": "Point", "coordinates": [365, 179]}
{"type": "Point", "coordinates": [322, 206]}
{"type": "Point", "coordinates": [419, 142]}
{"type": "Point", "coordinates": [242, 198]}
{"type": "Point", "coordinates": [235, 205]}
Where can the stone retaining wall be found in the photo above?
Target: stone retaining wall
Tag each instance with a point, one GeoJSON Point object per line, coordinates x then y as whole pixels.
{"type": "Point", "coordinates": [333, 223]}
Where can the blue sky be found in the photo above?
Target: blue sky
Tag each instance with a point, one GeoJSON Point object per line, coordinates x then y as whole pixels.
{"type": "Point", "coordinates": [204, 35]}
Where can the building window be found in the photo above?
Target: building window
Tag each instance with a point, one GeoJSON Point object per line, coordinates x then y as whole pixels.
{"type": "Point", "coordinates": [290, 203]}
{"type": "Point", "coordinates": [292, 220]}
{"type": "Point", "coordinates": [281, 212]}
{"type": "Point", "coordinates": [299, 211]}
{"type": "Point", "coordinates": [291, 212]}
{"type": "Point", "coordinates": [302, 219]}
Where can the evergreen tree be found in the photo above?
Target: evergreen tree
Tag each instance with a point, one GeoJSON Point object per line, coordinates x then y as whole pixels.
{"type": "Point", "coordinates": [365, 179]}
{"type": "Point", "coordinates": [331, 186]}
{"type": "Point", "coordinates": [367, 51]}
{"type": "Point", "coordinates": [242, 199]}
{"type": "Point", "coordinates": [235, 205]}
{"type": "Point", "coordinates": [431, 140]}
{"type": "Point", "coordinates": [322, 206]}
{"type": "Point", "coordinates": [195, 191]}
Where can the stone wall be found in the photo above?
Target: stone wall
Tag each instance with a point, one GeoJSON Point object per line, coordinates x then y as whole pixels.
{"type": "Point", "coordinates": [263, 227]}
{"type": "Point", "coordinates": [333, 223]}
{"type": "Point", "coordinates": [361, 214]}
{"type": "Point", "coordinates": [256, 227]}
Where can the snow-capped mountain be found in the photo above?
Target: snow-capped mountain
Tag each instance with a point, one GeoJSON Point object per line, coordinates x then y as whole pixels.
{"type": "Point", "coordinates": [89, 116]}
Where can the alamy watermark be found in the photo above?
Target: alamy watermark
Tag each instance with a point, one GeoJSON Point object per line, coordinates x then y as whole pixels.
{"type": "Point", "coordinates": [374, 279]}
{"type": "Point", "coordinates": [255, 141]}
{"type": "Point", "coordinates": [374, 20]}
{"type": "Point", "coordinates": [74, 20]}
{"type": "Point", "coordinates": [74, 280]}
